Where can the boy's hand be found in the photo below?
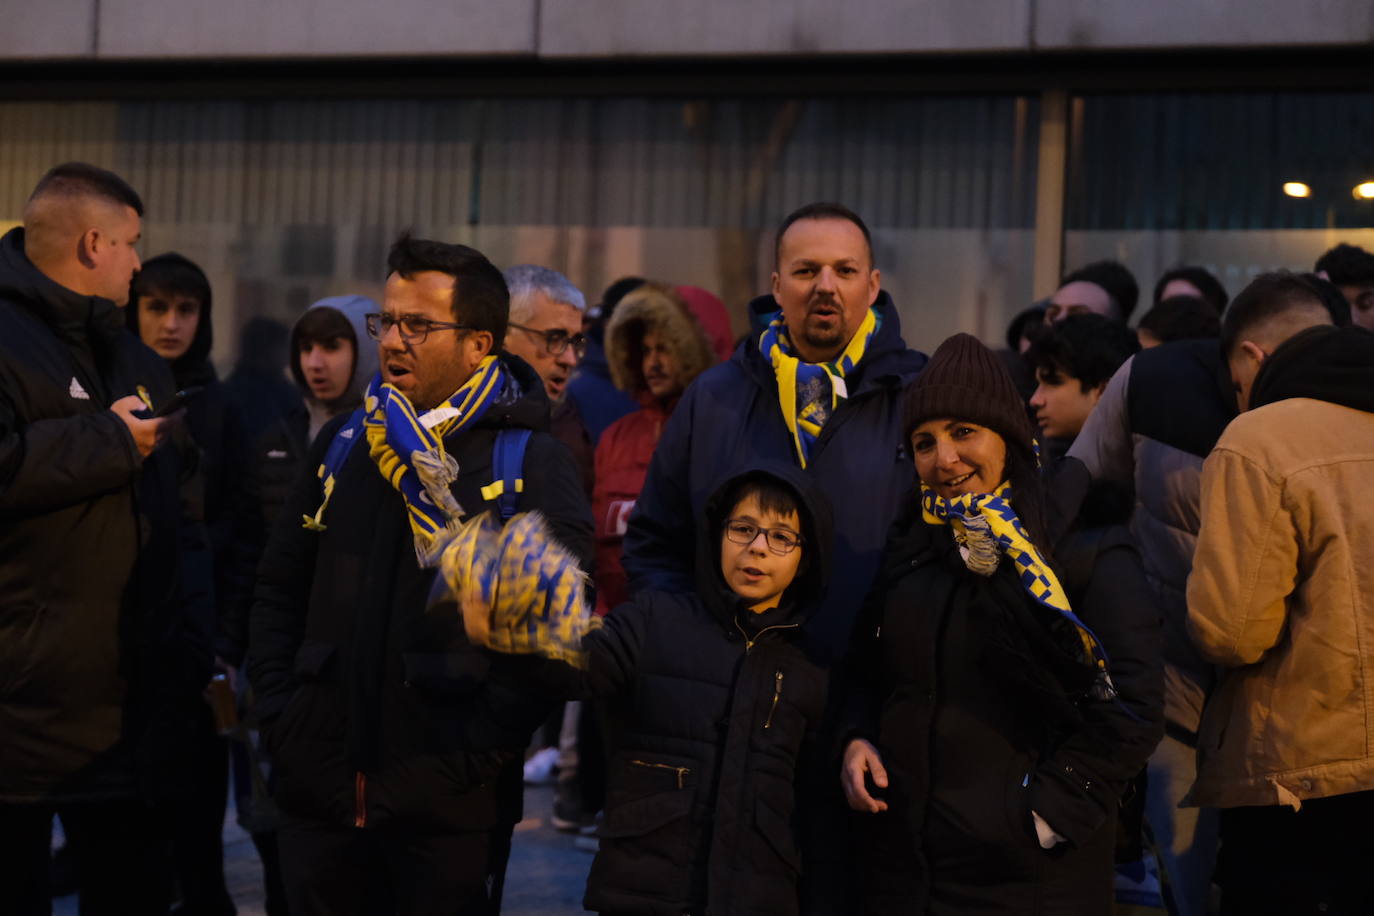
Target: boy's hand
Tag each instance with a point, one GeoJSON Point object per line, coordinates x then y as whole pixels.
{"type": "Point", "coordinates": [476, 615]}
{"type": "Point", "coordinates": [861, 758]}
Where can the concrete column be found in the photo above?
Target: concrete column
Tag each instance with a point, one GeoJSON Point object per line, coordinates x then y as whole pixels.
{"type": "Point", "coordinates": [1049, 191]}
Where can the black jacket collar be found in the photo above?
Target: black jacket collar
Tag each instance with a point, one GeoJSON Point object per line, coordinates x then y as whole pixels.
{"type": "Point", "coordinates": [888, 360]}
{"type": "Point", "coordinates": [1323, 363]}
{"type": "Point", "coordinates": [75, 318]}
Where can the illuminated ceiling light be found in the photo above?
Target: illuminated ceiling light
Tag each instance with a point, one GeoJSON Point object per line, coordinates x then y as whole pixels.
{"type": "Point", "coordinates": [1296, 189]}
{"type": "Point", "coordinates": [1364, 191]}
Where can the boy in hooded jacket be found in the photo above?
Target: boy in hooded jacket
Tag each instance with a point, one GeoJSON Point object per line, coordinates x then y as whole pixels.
{"type": "Point", "coordinates": [715, 702]}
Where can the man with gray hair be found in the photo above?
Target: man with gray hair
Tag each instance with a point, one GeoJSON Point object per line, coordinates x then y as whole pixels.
{"type": "Point", "coordinates": [546, 315]}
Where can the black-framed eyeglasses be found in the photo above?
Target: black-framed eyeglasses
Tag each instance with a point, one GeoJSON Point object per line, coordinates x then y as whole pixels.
{"type": "Point", "coordinates": [414, 328]}
{"type": "Point", "coordinates": [557, 340]}
{"type": "Point", "coordinates": [781, 541]}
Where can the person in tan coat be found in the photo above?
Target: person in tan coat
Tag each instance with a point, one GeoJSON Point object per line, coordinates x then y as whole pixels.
{"type": "Point", "coordinates": [1281, 598]}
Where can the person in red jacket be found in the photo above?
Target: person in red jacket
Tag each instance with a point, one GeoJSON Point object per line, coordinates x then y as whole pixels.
{"type": "Point", "coordinates": [655, 346]}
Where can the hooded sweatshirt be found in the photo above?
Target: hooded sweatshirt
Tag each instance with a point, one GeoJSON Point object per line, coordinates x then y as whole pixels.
{"type": "Point", "coordinates": [365, 360]}
{"type": "Point", "coordinates": [218, 430]}
{"type": "Point", "coordinates": [1324, 363]}
{"type": "Point", "coordinates": [278, 457]}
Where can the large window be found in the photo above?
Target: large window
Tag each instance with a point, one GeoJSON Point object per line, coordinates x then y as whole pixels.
{"type": "Point", "coordinates": [1161, 180]}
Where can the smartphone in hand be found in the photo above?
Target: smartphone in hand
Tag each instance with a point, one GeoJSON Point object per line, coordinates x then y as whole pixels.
{"type": "Point", "coordinates": [177, 402]}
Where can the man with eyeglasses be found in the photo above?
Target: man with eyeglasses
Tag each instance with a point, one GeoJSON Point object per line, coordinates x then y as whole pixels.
{"type": "Point", "coordinates": [546, 313]}
{"type": "Point", "coordinates": [398, 760]}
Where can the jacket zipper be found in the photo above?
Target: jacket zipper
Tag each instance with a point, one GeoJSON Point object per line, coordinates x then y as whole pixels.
{"type": "Point", "coordinates": [749, 643]}
{"type": "Point", "coordinates": [360, 800]}
{"type": "Point", "coordinates": [680, 771]}
{"type": "Point", "coordinates": [777, 695]}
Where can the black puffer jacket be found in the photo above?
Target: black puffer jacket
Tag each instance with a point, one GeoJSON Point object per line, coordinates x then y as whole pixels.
{"type": "Point", "coordinates": [976, 732]}
{"type": "Point", "coordinates": [104, 643]}
{"type": "Point", "coordinates": [218, 429]}
{"type": "Point", "coordinates": [375, 711]}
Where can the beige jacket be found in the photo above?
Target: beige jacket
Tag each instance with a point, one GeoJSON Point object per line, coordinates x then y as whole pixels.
{"type": "Point", "coordinates": [1282, 597]}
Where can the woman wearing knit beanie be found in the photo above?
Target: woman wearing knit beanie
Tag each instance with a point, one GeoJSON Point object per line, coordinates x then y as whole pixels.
{"type": "Point", "coordinates": [1010, 691]}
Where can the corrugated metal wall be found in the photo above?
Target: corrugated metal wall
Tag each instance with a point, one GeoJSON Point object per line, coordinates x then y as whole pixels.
{"type": "Point", "coordinates": [955, 162]}
{"type": "Point", "coordinates": [286, 201]}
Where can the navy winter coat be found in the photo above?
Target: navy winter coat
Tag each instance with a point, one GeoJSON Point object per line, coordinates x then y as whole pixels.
{"type": "Point", "coordinates": [730, 417]}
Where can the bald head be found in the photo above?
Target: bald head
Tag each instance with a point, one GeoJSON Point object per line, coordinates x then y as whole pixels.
{"type": "Point", "coordinates": [1272, 309]}
{"type": "Point", "coordinates": [80, 227]}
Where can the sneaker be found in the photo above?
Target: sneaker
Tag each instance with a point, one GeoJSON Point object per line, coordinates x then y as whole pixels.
{"type": "Point", "coordinates": [540, 768]}
{"type": "Point", "coordinates": [571, 818]}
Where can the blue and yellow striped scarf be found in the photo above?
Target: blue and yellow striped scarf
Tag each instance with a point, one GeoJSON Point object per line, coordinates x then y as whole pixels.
{"type": "Point", "coordinates": [408, 450]}
{"type": "Point", "coordinates": [1037, 578]}
{"type": "Point", "coordinates": [793, 375]}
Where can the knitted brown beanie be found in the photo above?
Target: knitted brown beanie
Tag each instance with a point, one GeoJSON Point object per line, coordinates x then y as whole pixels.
{"type": "Point", "coordinates": [965, 380]}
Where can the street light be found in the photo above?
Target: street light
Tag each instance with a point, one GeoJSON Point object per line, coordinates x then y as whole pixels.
{"type": "Point", "coordinates": [1364, 191]}
{"type": "Point", "coordinates": [1296, 189]}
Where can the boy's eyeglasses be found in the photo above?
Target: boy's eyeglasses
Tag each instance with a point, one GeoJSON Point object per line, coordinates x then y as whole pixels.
{"type": "Point", "coordinates": [414, 328]}
{"type": "Point", "coordinates": [781, 541]}
{"type": "Point", "coordinates": [557, 340]}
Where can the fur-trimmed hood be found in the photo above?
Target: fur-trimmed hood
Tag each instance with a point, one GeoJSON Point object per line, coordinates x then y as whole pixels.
{"type": "Point", "coordinates": [652, 306]}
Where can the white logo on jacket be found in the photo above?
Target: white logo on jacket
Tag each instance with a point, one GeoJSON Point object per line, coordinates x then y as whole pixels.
{"type": "Point", "coordinates": [618, 516]}
{"type": "Point", "coordinates": [76, 391]}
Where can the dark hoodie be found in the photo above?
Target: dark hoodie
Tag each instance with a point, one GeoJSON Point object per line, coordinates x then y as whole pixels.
{"type": "Point", "coordinates": [715, 710]}
{"type": "Point", "coordinates": [277, 458]}
{"type": "Point", "coordinates": [219, 495]}
{"type": "Point", "coordinates": [104, 644]}
{"type": "Point", "coordinates": [1322, 363]}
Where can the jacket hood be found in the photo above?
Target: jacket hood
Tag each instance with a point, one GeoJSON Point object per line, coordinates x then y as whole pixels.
{"type": "Point", "coordinates": [366, 360]}
{"type": "Point", "coordinates": [73, 317]}
{"type": "Point", "coordinates": [1323, 363]}
{"type": "Point", "coordinates": [712, 316]}
{"type": "Point", "coordinates": [192, 367]}
{"type": "Point", "coordinates": [887, 357]}
{"type": "Point", "coordinates": [817, 531]}
{"type": "Point", "coordinates": [651, 307]}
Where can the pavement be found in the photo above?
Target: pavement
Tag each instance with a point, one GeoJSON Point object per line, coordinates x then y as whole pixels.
{"type": "Point", "coordinates": [547, 873]}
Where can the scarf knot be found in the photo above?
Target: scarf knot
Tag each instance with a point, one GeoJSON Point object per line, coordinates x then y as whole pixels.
{"type": "Point", "coordinates": [983, 522]}
{"type": "Point", "coordinates": [408, 450]}
{"type": "Point", "coordinates": [808, 393]}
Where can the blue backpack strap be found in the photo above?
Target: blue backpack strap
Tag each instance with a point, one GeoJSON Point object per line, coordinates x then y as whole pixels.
{"type": "Point", "coordinates": [507, 462]}
{"type": "Point", "coordinates": [334, 458]}
{"type": "Point", "coordinates": [343, 443]}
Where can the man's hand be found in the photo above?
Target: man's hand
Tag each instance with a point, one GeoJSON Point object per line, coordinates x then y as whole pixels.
{"type": "Point", "coordinates": [861, 758]}
{"type": "Point", "coordinates": [148, 434]}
